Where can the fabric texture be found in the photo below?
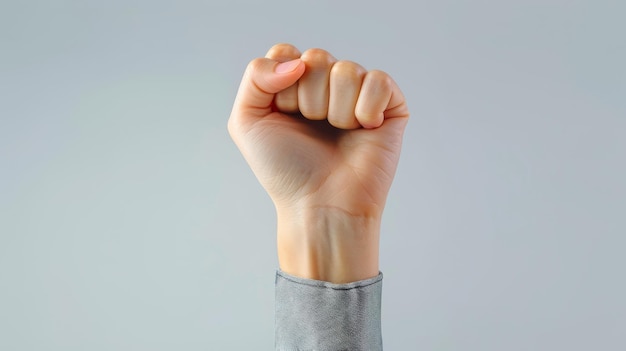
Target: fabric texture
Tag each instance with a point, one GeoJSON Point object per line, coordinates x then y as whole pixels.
{"type": "Point", "coordinates": [322, 316]}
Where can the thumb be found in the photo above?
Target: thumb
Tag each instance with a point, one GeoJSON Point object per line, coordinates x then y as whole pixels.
{"type": "Point", "coordinates": [261, 81]}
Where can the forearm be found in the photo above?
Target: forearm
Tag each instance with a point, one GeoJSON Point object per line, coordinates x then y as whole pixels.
{"type": "Point", "coordinates": [328, 244]}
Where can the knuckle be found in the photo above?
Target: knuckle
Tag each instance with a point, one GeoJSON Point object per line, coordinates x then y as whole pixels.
{"type": "Point", "coordinates": [283, 50]}
{"type": "Point", "coordinates": [318, 56]}
{"type": "Point", "coordinates": [380, 77]}
{"type": "Point", "coordinates": [255, 64]}
{"type": "Point", "coordinates": [349, 68]}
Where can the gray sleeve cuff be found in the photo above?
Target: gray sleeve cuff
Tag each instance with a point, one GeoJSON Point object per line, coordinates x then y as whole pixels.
{"type": "Point", "coordinates": [322, 316]}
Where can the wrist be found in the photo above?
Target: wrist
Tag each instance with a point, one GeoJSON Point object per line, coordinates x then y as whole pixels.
{"type": "Point", "coordinates": [328, 244]}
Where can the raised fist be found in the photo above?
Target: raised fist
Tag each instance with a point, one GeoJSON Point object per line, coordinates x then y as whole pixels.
{"type": "Point", "coordinates": [323, 137]}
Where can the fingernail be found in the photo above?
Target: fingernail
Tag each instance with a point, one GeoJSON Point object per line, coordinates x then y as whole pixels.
{"type": "Point", "coordinates": [286, 67]}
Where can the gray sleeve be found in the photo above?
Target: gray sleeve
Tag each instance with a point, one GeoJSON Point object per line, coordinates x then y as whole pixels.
{"type": "Point", "coordinates": [322, 316]}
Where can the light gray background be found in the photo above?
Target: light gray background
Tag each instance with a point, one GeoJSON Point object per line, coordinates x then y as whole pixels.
{"type": "Point", "coordinates": [129, 221]}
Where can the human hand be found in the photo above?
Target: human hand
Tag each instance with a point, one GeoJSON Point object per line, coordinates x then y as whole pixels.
{"type": "Point", "coordinates": [323, 137]}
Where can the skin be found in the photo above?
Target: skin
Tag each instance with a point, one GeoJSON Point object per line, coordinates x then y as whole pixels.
{"type": "Point", "coordinates": [323, 137]}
